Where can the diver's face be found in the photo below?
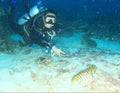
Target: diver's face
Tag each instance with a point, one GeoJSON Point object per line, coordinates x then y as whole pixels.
{"type": "Point", "coordinates": [50, 20]}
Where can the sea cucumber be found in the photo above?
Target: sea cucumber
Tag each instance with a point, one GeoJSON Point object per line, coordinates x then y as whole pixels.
{"type": "Point", "coordinates": [89, 70]}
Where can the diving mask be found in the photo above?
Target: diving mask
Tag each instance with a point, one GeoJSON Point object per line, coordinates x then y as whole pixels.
{"type": "Point", "coordinates": [50, 19]}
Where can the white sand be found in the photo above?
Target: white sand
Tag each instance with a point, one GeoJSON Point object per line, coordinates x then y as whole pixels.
{"type": "Point", "coordinates": [34, 71]}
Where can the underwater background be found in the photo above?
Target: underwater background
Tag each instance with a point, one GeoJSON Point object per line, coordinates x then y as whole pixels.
{"type": "Point", "coordinates": [90, 38]}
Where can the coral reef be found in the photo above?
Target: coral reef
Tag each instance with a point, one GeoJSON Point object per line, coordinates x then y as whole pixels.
{"type": "Point", "coordinates": [6, 44]}
{"type": "Point", "coordinates": [88, 42]}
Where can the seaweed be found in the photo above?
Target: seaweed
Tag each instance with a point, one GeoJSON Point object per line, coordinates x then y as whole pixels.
{"type": "Point", "coordinates": [89, 70]}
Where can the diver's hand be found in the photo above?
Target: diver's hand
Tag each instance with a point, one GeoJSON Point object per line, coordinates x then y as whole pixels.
{"type": "Point", "coordinates": [57, 50]}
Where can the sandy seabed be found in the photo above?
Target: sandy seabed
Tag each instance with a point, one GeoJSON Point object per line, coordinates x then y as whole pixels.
{"type": "Point", "coordinates": [34, 71]}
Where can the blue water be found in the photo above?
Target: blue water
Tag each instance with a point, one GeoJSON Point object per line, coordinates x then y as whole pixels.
{"type": "Point", "coordinates": [110, 8]}
{"type": "Point", "coordinates": [72, 8]}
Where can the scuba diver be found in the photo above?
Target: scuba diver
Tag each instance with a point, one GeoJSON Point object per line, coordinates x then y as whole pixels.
{"type": "Point", "coordinates": [38, 26]}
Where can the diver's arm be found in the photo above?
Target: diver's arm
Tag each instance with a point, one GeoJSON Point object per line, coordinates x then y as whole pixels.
{"type": "Point", "coordinates": [46, 44]}
{"type": "Point", "coordinates": [53, 47]}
